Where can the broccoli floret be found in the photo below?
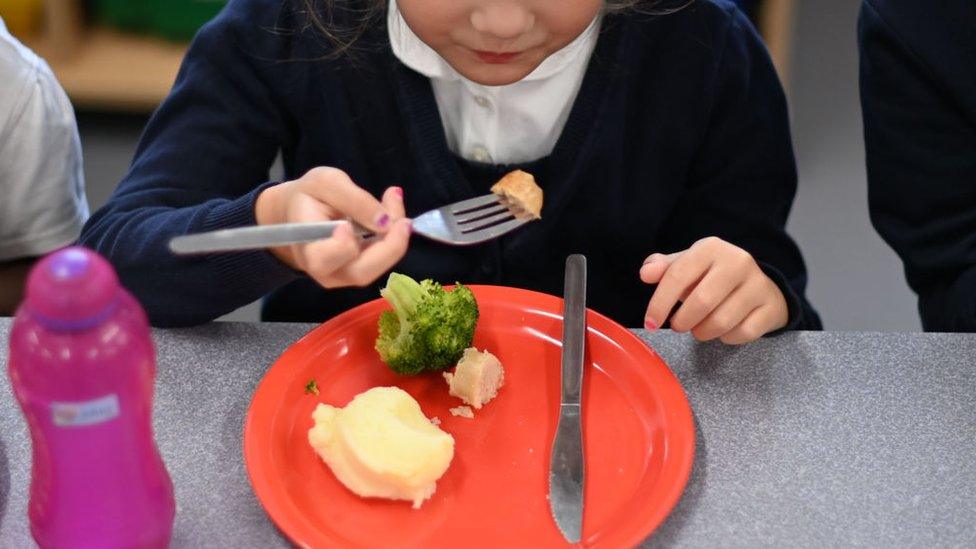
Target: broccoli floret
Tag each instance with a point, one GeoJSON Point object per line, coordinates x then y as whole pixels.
{"type": "Point", "coordinates": [429, 327]}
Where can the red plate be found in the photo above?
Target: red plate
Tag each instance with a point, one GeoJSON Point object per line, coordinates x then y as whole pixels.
{"type": "Point", "coordinates": [638, 430]}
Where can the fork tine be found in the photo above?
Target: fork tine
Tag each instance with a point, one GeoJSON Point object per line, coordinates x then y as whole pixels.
{"type": "Point", "coordinates": [468, 222]}
{"type": "Point", "coordinates": [476, 217]}
{"type": "Point", "coordinates": [486, 221]}
{"type": "Point", "coordinates": [494, 231]}
{"type": "Point", "coordinates": [475, 203]}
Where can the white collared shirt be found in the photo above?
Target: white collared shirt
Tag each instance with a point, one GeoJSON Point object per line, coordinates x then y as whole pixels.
{"type": "Point", "coordinates": [509, 124]}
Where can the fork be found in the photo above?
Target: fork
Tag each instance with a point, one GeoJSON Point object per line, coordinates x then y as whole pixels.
{"type": "Point", "coordinates": [463, 223]}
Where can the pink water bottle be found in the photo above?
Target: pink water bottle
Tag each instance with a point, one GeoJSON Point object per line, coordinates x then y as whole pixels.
{"type": "Point", "coordinates": [82, 366]}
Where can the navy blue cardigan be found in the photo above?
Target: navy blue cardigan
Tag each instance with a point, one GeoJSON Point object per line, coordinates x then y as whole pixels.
{"type": "Point", "coordinates": [918, 96]}
{"type": "Point", "coordinates": [679, 132]}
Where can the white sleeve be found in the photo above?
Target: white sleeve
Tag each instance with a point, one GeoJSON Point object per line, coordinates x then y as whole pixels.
{"type": "Point", "coordinates": [42, 194]}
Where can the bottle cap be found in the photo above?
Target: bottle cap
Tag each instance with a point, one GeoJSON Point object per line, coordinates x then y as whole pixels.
{"type": "Point", "coordinates": [72, 289]}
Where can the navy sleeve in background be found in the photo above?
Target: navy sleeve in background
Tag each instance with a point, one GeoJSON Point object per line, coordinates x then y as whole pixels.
{"type": "Point", "coordinates": [918, 96]}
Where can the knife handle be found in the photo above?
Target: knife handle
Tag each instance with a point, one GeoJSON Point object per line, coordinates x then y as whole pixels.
{"type": "Point", "coordinates": [574, 328]}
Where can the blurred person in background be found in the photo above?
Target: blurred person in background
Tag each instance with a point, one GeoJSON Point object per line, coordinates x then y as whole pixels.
{"type": "Point", "coordinates": [918, 96]}
{"type": "Point", "coordinates": [42, 194]}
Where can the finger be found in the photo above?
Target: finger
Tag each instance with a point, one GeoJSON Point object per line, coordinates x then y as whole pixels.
{"type": "Point", "coordinates": [729, 314]}
{"type": "Point", "coordinates": [303, 209]}
{"type": "Point", "coordinates": [393, 202]}
{"type": "Point", "coordinates": [375, 260]}
{"type": "Point", "coordinates": [755, 325]}
{"type": "Point", "coordinates": [334, 188]}
{"type": "Point", "coordinates": [323, 257]}
{"type": "Point", "coordinates": [306, 209]}
{"type": "Point", "coordinates": [713, 289]}
{"type": "Point", "coordinates": [681, 276]}
{"type": "Point", "coordinates": [655, 265]}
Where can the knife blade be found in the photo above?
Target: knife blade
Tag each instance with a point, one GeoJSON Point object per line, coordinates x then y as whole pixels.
{"type": "Point", "coordinates": [566, 465]}
{"type": "Point", "coordinates": [255, 237]}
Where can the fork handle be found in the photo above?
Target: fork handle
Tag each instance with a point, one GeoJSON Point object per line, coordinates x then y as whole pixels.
{"type": "Point", "coordinates": [258, 237]}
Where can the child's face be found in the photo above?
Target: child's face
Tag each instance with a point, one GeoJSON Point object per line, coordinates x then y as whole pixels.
{"type": "Point", "coordinates": [497, 42]}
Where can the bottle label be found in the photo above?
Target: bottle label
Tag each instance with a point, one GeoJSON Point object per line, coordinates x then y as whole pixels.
{"type": "Point", "coordinates": [79, 414]}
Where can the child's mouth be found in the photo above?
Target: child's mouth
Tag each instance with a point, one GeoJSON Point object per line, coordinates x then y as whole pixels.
{"type": "Point", "coordinates": [496, 58]}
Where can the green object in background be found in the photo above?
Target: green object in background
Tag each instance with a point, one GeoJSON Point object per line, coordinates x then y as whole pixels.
{"type": "Point", "coordinates": [172, 19]}
{"type": "Point", "coordinates": [130, 15]}
{"type": "Point", "coordinates": [181, 19]}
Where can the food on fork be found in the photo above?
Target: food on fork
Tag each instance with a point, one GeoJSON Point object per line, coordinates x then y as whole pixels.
{"type": "Point", "coordinates": [477, 378]}
{"type": "Point", "coordinates": [519, 190]}
{"type": "Point", "coordinates": [381, 445]}
{"type": "Point", "coordinates": [428, 328]}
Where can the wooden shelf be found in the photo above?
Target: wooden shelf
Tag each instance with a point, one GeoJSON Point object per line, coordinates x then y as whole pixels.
{"type": "Point", "coordinates": [777, 22]}
{"type": "Point", "coordinates": [110, 70]}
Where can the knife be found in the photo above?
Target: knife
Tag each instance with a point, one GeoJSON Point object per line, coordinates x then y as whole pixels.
{"type": "Point", "coordinates": [566, 463]}
{"type": "Point", "coordinates": [260, 236]}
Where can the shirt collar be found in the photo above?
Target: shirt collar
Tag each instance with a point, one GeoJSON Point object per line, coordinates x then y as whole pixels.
{"type": "Point", "coordinates": [414, 53]}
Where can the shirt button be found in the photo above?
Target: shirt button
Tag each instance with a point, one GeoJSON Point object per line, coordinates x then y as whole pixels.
{"type": "Point", "coordinates": [482, 101]}
{"type": "Point", "coordinates": [480, 154]}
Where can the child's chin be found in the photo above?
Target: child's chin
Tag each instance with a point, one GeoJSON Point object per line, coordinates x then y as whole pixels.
{"type": "Point", "coordinates": [495, 74]}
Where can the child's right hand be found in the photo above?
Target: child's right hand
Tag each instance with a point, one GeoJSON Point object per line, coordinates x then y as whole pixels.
{"type": "Point", "coordinates": [325, 194]}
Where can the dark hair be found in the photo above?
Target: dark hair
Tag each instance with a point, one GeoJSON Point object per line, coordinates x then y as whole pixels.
{"type": "Point", "coordinates": [343, 22]}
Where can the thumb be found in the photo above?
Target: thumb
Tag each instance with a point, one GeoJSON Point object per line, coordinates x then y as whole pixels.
{"type": "Point", "coordinates": [655, 266]}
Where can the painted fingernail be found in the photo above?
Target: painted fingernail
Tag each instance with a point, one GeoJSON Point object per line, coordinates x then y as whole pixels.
{"type": "Point", "coordinates": [383, 220]}
{"type": "Point", "coordinates": [398, 191]}
{"type": "Point", "coordinates": [649, 324]}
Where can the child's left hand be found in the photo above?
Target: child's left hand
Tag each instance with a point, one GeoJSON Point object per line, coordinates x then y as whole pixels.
{"type": "Point", "coordinates": [723, 291]}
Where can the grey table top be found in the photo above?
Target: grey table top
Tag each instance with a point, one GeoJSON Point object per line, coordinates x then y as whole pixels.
{"type": "Point", "coordinates": [808, 439]}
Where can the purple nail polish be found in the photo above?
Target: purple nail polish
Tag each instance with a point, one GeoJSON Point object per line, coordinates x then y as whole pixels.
{"type": "Point", "coordinates": [649, 325]}
{"type": "Point", "coordinates": [383, 220]}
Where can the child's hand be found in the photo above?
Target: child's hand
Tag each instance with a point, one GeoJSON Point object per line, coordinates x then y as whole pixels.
{"type": "Point", "coordinates": [723, 291]}
{"type": "Point", "coordinates": [325, 194]}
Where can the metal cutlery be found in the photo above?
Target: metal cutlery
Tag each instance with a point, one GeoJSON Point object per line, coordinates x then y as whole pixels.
{"type": "Point", "coordinates": [463, 223]}
{"type": "Point", "coordinates": [566, 465]}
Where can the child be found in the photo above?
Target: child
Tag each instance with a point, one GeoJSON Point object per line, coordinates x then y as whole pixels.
{"type": "Point", "coordinates": [660, 139]}
{"type": "Point", "coordinates": [918, 96]}
{"type": "Point", "coordinates": [42, 191]}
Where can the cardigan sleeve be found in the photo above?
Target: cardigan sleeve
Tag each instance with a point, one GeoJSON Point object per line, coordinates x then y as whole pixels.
{"type": "Point", "coordinates": [201, 162]}
{"type": "Point", "coordinates": [742, 180]}
{"type": "Point", "coordinates": [921, 164]}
